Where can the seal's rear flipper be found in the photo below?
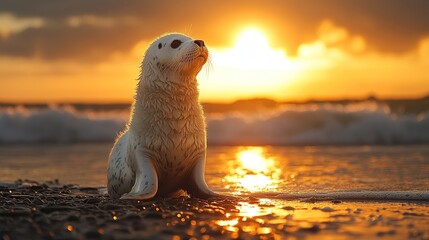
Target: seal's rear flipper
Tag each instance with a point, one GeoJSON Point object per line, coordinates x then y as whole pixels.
{"type": "Point", "coordinates": [196, 184]}
{"type": "Point", "coordinates": [146, 184]}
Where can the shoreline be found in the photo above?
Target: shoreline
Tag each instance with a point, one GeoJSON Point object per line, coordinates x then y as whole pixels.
{"type": "Point", "coordinates": [52, 210]}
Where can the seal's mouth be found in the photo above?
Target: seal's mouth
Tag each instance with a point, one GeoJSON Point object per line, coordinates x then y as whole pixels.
{"type": "Point", "coordinates": [200, 57]}
{"type": "Point", "coordinates": [196, 56]}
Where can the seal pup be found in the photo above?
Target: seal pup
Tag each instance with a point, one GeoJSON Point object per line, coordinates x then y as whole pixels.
{"type": "Point", "coordinates": [163, 149]}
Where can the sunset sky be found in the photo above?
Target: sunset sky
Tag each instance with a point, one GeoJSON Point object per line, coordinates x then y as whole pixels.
{"type": "Point", "coordinates": [90, 51]}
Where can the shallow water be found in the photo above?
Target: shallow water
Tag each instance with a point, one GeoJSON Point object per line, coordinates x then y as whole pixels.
{"type": "Point", "coordinates": [244, 170]}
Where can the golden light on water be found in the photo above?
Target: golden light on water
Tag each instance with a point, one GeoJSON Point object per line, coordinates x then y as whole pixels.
{"type": "Point", "coordinates": [251, 210]}
{"type": "Point", "coordinates": [253, 171]}
{"type": "Point", "coordinates": [224, 223]}
{"type": "Point", "coordinates": [252, 159]}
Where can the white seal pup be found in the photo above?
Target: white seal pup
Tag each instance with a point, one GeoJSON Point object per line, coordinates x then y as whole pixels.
{"type": "Point", "coordinates": [163, 149]}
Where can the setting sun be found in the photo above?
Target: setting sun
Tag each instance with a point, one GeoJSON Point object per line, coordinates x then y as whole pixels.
{"type": "Point", "coordinates": [251, 65]}
{"type": "Point", "coordinates": [252, 38]}
{"type": "Point", "coordinates": [252, 51]}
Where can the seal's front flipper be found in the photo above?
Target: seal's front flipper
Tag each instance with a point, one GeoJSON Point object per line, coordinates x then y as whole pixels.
{"type": "Point", "coordinates": [196, 184]}
{"type": "Point", "coordinates": [146, 183]}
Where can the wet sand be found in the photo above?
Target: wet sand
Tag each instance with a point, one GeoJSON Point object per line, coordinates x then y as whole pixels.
{"type": "Point", "coordinates": [50, 210]}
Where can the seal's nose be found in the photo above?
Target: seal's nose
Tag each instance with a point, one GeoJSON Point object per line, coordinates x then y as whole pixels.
{"type": "Point", "coordinates": [200, 43]}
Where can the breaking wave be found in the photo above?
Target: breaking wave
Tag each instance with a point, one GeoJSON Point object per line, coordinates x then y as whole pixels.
{"type": "Point", "coordinates": [58, 125]}
{"type": "Point", "coordinates": [363, 123]}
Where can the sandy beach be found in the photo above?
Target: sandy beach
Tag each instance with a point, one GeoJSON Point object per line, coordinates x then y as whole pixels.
{"type": "Point", "coordinates": [365, 192]}
{"type": "Point", "coordinates": [51, 210]}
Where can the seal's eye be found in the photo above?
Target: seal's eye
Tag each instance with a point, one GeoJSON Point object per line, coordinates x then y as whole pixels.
{"type": "Point", "coordinates": [176, 43]}
{"type": "Point", "coordinates": [159, 46]}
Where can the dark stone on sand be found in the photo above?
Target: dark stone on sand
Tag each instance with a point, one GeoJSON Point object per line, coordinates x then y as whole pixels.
{"type": "Point", "coordinates": [153, 214]}
{"type": "Point", "coordinates": [72, 212]}
{"type": "Point", "coordinates": [92, 234]}
{"type": "Point", "coordinates": [20, 196]}
{"type": "Point", "coordinates": [4, 186]}
{"type": "Point", "coordinates": [39, 187]}
{"type": "Point", "coordinates": [87, 189]}
{"type": "Point", "coordinates": [132, 216]}
{"type": "Point", "coordinates": [314, 229]}
{"type": "Point", "coordinates": [16, 212]}
{"type": "Point", "coordinates": [138, 225]}
{"type": "Point", "coordinates": [289, 208]}
{"type": "Point", "coordinates": [386, 233]}
{"type": "Point", "coordinates": [72, 217]}
{"type": "Point", "coordinates": [327, 209]}
{"type": "Point", "coordinates": [413, 214]}
{"type": "Point", "coordinates": [91, 219]}
{"type": "Point", "coordinates": [93, 200]}
{"type": "Point", "coordinates": [109, 206]}
{"type": "Point", "coordinates": [54, 208]}
{"type": "Point", "coordinates": [42, 220]}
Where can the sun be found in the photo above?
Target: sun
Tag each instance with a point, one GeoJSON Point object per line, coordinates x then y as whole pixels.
{"type": "Point", "coordinates": [252, 38]}
{"type": "Point", "coordinates": [253, 51]}
{"type": "Point", "coordinates": [252, 65]}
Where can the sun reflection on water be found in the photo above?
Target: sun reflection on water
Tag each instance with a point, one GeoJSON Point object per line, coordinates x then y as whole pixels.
{"type": "Point", "coordinates": [252, 171]}
{"type": "Point", "coordinates": [253, 174]}
{"type": "Point", "coordinates": [251, 210]}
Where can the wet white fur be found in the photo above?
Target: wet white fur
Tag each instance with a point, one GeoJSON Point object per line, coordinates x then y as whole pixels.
{"type": "Point", "coordinates": [163, 148]}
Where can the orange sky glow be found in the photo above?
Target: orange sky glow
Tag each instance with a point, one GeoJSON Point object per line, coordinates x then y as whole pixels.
{"type": "Point", "coordinates": [250, 58]}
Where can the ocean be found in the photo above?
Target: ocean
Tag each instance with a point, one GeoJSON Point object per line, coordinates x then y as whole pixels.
{"type": "Point", "coordinates": [271, 154]}
{"type": "Point", "coordinates": [249, 123]}
{"type": "Point", "coordinates": [242, 169]}
{"type": "Point", "coordinates": [306, 147]}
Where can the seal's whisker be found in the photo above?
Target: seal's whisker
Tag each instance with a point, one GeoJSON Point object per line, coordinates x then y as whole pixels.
{"type": "Point", "coordinates": [208, 66]}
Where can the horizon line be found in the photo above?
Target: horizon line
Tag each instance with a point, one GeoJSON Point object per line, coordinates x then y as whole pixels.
{"type": "Point", "coordinates": [307, 100]}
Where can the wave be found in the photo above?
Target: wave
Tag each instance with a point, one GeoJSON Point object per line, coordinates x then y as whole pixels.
{"type": "Point", "coordinates": [57, 124]}
{"type": "Point", "coordinates": [318, 124]}
{"type": "Point", "coordinates": [363, 123]}
{"type": "Point", "coordinates": [351, 196]}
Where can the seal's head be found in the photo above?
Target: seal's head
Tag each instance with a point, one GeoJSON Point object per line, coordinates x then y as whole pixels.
{"type": "Point", "coordinates": [177, 53]}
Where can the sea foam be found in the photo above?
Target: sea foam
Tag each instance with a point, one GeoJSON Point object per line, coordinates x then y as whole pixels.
{"type": "Point", "coordinates": [57, 125]}
{"type": "Point", "coordinates": [350, 196]}
{"type": "Point", "coordinates": [318, 124]}
{"type": "Point", "coordinates": [365, 123]}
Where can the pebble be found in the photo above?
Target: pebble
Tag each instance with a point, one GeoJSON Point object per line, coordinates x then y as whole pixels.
{"type": "Point", "coordinates": [289, 208]}
{"type": "Point", "coordinates": [16, 212]}
{"type": "Point", "coordinates": [315, 228]}
{"type": "Point", "coordinates": [73, 212]}
{"type": "Point", "coordinates": [327, 209]}
{"type": "Point", "coordinates": [153, 214]}
{"type": "Point", "coordinates": [132, 216]}
{"type": "Point", "coordinates": [92, 234]}
{"type": "Point", "coordinates": [54, 208]}
{"type": "Point", "coordinates": [109, 206]}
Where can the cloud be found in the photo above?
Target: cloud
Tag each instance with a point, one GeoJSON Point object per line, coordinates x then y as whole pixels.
{"type": "Point", "coordinates": [84, 42]}
{"type": "Point", "coordinates": [9, 24]}
{"type": "Point", "coordinates": [80, 29]}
